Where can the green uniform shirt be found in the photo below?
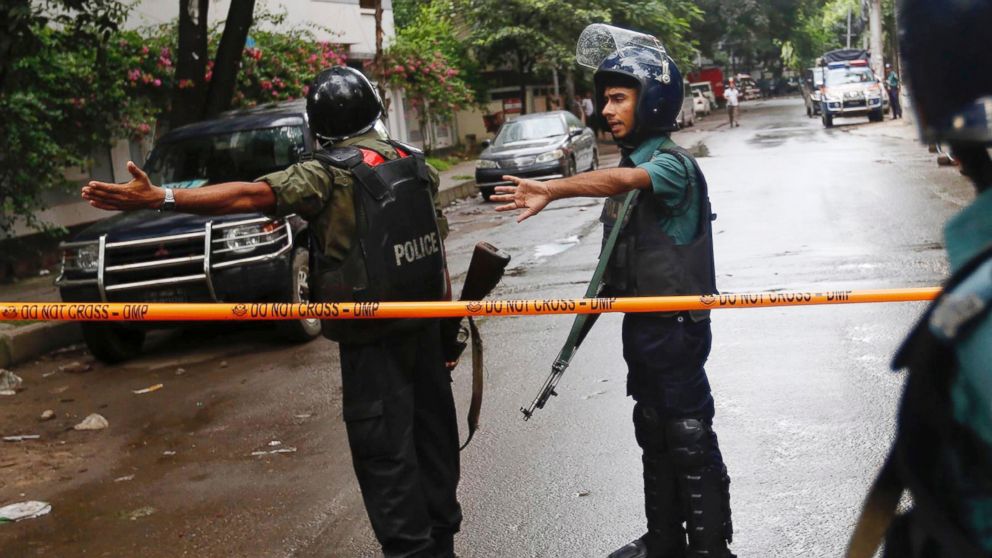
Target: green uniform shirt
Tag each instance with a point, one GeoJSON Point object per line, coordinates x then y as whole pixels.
{"type": "Point", "coordinates": [669, 178]}
{"type": "Point", "coordinates": [967, 234]}
{"type": "Point", "coordinates": [326, 199]}
{"type": "Point", "coordinates": [893, 80]}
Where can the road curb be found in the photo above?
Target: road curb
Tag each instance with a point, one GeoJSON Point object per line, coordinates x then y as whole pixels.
{"type": "Point", "coordinates": [24, 343]}
{"type": "Point", "coordinates": [466, 189]}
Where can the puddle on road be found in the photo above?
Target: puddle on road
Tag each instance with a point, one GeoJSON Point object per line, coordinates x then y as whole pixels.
{"type": "Point", "coordinates": [555, 248]}
{"type": "Point", "coordinates": [779, 137]}
{"type": "Point", "coordinates": [463, 227]}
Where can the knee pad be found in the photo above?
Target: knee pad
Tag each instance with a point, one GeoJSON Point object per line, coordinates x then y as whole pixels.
{"type": "Point", "coordinates": [649, 428]}
{"type": "Point", "coordinates": [689, 440]}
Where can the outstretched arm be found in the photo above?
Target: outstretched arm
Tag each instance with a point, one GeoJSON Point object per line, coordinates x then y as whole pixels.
{"type": "Point", "coordinates": [219, 199]}
{"type": "Point", "coordinates": [532, 196]}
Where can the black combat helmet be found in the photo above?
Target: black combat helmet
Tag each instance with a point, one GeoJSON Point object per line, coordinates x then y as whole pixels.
{"type": "Point", "coordinates": [342, 103]}
{"type": "Point", "coordinates": [948, 61]}
{"type": "Point", "coordinates": [636, 60]}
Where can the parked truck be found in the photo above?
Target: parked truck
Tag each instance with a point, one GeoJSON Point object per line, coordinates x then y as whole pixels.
{"type": "Point", "coordinates": [714, 76]}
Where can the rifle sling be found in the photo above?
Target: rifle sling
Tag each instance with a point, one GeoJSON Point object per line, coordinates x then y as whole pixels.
{"type": "Point", "coordinates": [475, 406]}
{"type": "Point", "coordinates": [584, 322]}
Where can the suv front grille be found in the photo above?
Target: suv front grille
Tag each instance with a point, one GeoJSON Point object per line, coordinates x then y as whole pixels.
{"type": "Point", "coordinates": [162, 266]}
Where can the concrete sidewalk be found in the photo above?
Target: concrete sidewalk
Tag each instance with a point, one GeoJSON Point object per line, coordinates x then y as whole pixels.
{"type": "Point", "coordinates": [23, 341]}
{"type": "Point", "coordinates": [458, 182]}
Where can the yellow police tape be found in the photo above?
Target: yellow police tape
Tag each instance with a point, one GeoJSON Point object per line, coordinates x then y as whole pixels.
{"type": "Point", "coordinates": [154, 312]}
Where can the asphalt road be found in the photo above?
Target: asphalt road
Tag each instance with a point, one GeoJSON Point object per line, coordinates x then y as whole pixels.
{"type": "Point", "coordinates": [805, 400]}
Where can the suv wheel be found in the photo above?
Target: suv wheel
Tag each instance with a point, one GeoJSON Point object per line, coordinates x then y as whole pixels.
{"type": "Point", "coordinates": [112, 343]}
{"type": "Point", "coordinates": [595, 160]}
{"type": "Point", "coordinates": [570, 168]}
{"type": "Point", "coordinates": [828, 120]}
{"type": "Point", "coordinates": [876, 116]}
{"type": "Point", "coordinates": [299, 331]}
{"type": "Point", "coordinates": [487, 192]}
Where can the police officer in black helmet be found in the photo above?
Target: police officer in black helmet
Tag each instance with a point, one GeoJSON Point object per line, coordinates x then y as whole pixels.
{"type": "Point", "coordinates": [376, 234]}
{"type": "Point", "coordinates": [942, 455]}
{"type": "Point", "coordinates": [665, 248]}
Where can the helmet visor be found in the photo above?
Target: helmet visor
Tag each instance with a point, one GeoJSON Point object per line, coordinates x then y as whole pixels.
{"type": "Point", "coordinates": [600, 41]}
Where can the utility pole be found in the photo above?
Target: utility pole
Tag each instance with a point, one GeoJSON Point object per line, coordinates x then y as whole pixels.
{"type": "Point", "coordinates": [849, 28]}
{"type": "Point", "coordinates": [897, 55]}
{"type": "Point", "coordinates": [877, 49]}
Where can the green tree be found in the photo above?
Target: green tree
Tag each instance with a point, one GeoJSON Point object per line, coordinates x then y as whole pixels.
{"type": "Point", "coordinates": [671, 21]}
{"type": "Point", "coordinates": [527, 36]}
{"type": "Point", "coordinates": [60, 95]}
{"type": "Point", "coordinates": [78, 89]}
{"type": "Point", "coordinates": [433, 87]}
{"type": "Point", "coordinates": [434, 26]}
{"type": "Point", "coordinates": [198, 99]}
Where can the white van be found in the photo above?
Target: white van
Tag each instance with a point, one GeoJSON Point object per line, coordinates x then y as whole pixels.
{"type": "Point", "coordinates": [706, 88]}
{"type": "Point", "coordinates": [687, 116]}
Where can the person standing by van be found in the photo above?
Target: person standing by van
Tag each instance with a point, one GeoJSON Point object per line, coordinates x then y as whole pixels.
{"type": "Point", "coordinates": [732, 94]}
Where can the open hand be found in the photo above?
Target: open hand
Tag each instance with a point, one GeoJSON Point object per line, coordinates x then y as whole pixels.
{"type": "Point", "coordinates": [529, 195]}
{"type": "Point", "coordinates": [139, 193]}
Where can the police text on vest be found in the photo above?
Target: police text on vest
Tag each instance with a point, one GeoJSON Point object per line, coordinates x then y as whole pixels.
{"type": "Point", "coordinates": [416, 249]}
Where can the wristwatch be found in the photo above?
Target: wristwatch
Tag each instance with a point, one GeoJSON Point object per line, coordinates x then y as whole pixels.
{"type": "Point", "coordinates": [170, 201]}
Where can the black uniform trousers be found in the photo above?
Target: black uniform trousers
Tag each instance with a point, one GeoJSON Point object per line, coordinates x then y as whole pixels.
{"type": "Point", "coordinates": [685, 477]}
{"type": "Point", "coordinates": [665, 358]}
{"type": "Point", "coordinates": [400, 417]}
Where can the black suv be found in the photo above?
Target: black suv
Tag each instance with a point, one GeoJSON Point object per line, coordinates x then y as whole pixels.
{"type": "Point", "coordinates": [148, 256]}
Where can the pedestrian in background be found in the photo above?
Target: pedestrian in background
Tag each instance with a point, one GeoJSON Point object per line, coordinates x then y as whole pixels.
{"type": "Point", "coordinates": [588, 109]}
{"type": "Point", "coordinates": [893, 84]}
{"type": "Point", "coordinates": [397, 404]}
{"type": "Point", "coordinates": [942, 452]}
{"type": "Point", "coordinates": [732, 95]}
{"type": "Point", "coordinates": [665, 248]}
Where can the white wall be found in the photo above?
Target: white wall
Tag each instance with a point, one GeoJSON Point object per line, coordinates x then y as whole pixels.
{"type": "Point", "coordinates": [339, 21]}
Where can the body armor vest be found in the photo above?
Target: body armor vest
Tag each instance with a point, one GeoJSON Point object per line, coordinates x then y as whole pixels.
{"type": "Point", "coordinates": [648, 262]}
{"type": "Point", "coordinates": [927, 432]}
{"type": "Point", "coordinates": [397, 253]}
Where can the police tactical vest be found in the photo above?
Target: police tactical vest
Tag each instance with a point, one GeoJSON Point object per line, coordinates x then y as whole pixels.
{"type": "Point", "coordinates": [927, 432]}
{"type": "Point", "coordinates": [648, 262]}
{"type": "Point", "coordinates": [397, 253]}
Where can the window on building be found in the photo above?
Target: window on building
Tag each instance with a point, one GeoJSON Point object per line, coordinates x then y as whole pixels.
{"type": "Point", "coordinates": [367, 4]}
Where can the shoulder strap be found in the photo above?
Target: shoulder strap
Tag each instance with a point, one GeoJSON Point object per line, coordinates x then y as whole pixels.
{"type": "Point", "coordinates": [405, 147]}
{"type": "Point", "coordinates": [967, 296]}
{"type": "Point", "coordinates": [584, 322]}
{"type": "Point", "coordinates": [345, 158]}
{"type": "Point", "coordinates": [958, 315]}
{"type": "Point", "coordinates": [962, 306]}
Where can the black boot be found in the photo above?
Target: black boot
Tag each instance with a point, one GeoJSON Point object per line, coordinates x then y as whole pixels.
{"type": "Point", "coordinates": [704, 487]}
{"type": "Point", "coordinates": [666, 535]}
{"type": "Point", "coordinates": [444, 546]}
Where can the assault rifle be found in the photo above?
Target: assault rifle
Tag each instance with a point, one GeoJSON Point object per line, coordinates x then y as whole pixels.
{"type": "Point", "coordinates": [583, 322]}
{"type": "Point", "coordinates": [484, 273]}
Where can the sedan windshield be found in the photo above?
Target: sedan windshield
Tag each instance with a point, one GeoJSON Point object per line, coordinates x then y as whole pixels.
{"type": "Point", "coordinates": [844, 76]}
{"type": "Point", "coordinates": [237, 156]}
{"type": "Point", "coordinates": [529, 130]}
